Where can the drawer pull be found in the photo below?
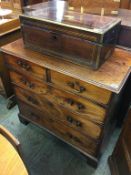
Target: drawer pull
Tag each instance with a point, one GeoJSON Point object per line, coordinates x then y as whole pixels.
{"type": "Point", "coordinates": [73, 138]}
{"type": "Point", "coordinates": [24, 65]}
{"type": "Point", "coordinates": [32, 100]}
{"type": "Point", "coordinates": [78, 124]}
{"type": "Point", "coordinates": [27, 83]}
{"type": "Point", "coordinates": [69, 119]}
{"type": "Point", "coordinates": [19, 63]}
{"type": "Point", "coordinates": [76, 87]}
{"type": "Point", "coordinates": [80, 106]}
{"type": "Point", "coordinates": [72, 102]}
{"type": "Point", "coordinates": [73, 121]}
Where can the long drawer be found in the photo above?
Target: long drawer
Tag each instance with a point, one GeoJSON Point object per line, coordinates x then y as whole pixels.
{"type": "Point", "coordinates": [78, 122]}
{"type": "Point", "coordinates": [73, 103]}
{"type": "Point", "coordinates": [81, 88]}
{"type": "Point", "coordinates": [66, 83]}
{"type": "Point", "coordinates": [66, 133]}
{"type": "Point", "coordinates": [26, 67]}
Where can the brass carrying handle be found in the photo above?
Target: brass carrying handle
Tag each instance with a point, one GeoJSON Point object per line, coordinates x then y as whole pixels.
{"type": "Point", "coordinates": [76, 87]}
{"type": "Point", "coordinates": [73, 121]}
{"type": "Point", "coordinates": [24, 65]}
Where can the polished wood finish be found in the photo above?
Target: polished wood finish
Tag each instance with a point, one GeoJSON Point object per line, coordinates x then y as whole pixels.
{"type": "Point", "coordinates": [120, 161]}
{"type": "Point", "coordinates": [67, 133]}
{"type": "Point", "coordinates": [125, 32]}
{"type": "Point", "coordinates": [9, 32]}
{"type": "Point", "coordinates": [10, 26]}
{"type": "Point", "coordinates": [15, 5]}
{"type": "Point", "coordinates": [71, 102]}
{"type": "Point", "coordinates": [27, 67]}
{"type": "Point", "coordinates": [125, 4]}
{"type": "Point", "coordinates": [6, 89]}
{"type": "Point", "coordinates": [39, 102]}
{"type": "Point", "coordinates": [118, 64]}
{"type": "Point", "coordinates": [83, 39]}
{"type": "Point", "coordinates": [43, 87]}
{"type": "Point", "coordinates": [94, 6]}
{"type": "Point", "coordinates": [11, 162]}
{"type": "Point", "coordinates": [81, 88]}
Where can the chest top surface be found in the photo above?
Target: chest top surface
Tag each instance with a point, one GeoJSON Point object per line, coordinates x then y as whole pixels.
{"type": "Point", "coordinates": [112, 75]}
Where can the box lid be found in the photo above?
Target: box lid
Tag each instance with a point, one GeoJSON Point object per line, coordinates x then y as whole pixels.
{"type": "Point", "coordinates": [60, 13]}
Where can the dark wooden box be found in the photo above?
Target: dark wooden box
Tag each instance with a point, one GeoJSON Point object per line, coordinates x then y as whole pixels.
{"type": "Point", "coordinates": [80, 38]}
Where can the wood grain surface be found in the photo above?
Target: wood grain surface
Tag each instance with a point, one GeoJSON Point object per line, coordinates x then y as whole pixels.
{"type": "Point", "coordinates": [11, 162]}
{"type": "Point", "coordinates": [111, 76]}
{"type": "Point", "coordinates": [92, 111]}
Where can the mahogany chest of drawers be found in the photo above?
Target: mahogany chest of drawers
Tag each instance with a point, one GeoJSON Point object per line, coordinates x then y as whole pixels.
{"type": "Point", "coordinates": [76, 104]}
{"type": "Point", "coordinates": [51, 28]}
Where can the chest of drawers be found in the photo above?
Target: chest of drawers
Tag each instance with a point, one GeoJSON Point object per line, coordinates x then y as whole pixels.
{"type": "Point", "coordinates": [76, 104]}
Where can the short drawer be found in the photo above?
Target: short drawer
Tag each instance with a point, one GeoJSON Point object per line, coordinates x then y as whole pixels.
{"type": "Point", "coordinates": [91, 111]}
{"type": "Point", "coordinates": [59, 129]}
{"type": "Point", "coordinates": [27, 82]}
{"type": "Point", "coordinates": [26, 67]}
{"type": "Point", "coordinates": [81, 88]}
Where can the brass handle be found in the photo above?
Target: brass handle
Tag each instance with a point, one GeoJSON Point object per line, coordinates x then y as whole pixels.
{"type": "Point", "coordinates": [78, 123]}
{"type": "Point", "coordinates": [73, 121]}
{"type": "Point", "coordinates": [27, 83]}
{"type": "Point", "coordinates": [76, 86]}
{"type": "Point", "coordinates": [24, 65]}
{"type": "Point", "coordinates": [80, 106]}
{"type": "Point", "coordinates": [74, 138]}
{"type": "Point", "coordinates": [19, 62]}
{"type": "Point", "coordinates": [32, 100]}
{"type": "Point", "coordinates": [70, 101]}
{"type": "Point", "coordinates": [69, 119]}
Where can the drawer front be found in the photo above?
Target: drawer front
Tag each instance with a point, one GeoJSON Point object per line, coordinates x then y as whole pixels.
{"type": "Point", "coordinates": [26, 67]}
{"type": "Point", "coordinates": [68, 134]}
{"type": "Point", "coordinates": [78, 122]}
{"type": "Point", "coordinates": [27, 82]}
{"type": "Point", "coordinates": [67, 47]}
{"type": "Point", "coordinates": [81, 88]}
{"type": "Point", "coordinates": [71, 103]}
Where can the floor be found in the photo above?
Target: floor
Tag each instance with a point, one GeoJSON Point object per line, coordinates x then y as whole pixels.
{"type": "Point", "coordinates": [46, 155]}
